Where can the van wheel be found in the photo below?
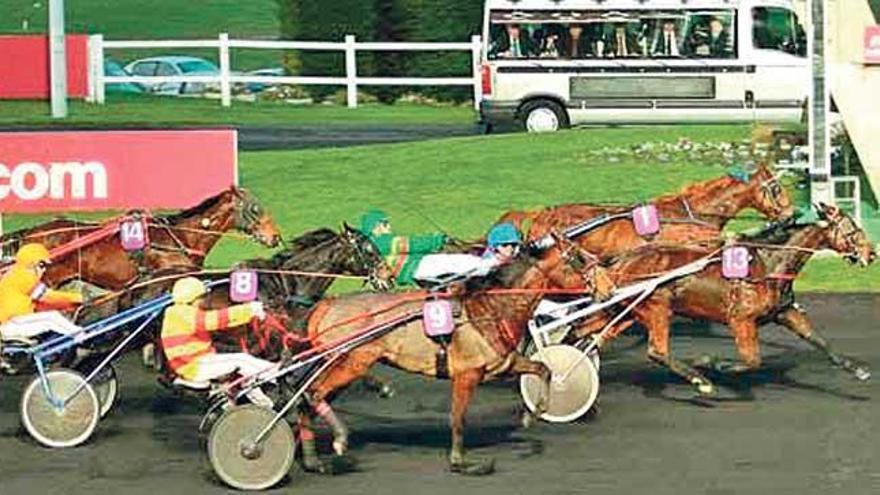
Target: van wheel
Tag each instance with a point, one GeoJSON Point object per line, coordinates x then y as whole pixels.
{"type": "Point", "coordinates": [543, 116]}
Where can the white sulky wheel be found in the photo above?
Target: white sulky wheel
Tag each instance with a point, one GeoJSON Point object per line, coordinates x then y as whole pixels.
{"type": "Point", "coordinates": [107, 389]}
{"type": "Point", "coordinates": [238, 462]}
{"type": "Point", "coordinates": [68, 426]}
{"type": "Point", "coordinates": [574, 385]}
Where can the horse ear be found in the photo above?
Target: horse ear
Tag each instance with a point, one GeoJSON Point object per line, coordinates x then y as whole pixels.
{"type": "Point", "coordinates": [346, 227]}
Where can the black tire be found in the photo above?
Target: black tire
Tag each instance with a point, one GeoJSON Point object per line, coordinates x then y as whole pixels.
{"type": "Point", "coordinates": [539, 115]}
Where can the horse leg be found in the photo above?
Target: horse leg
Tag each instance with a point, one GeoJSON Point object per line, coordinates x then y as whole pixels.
{"type": "Point", "coordinates": [522, 365]}
{"type": "Point", "coordinates": [795, 320]}
{"type": "Point", "coordinates": [350, 368]}
{"type": "Point", "coordinates": [311, 462]}
{"type": "Point", "coordinates": [464, 384]}
{"type": "Point", "coordinates": [745, 334]}
{"type": "Point", "coordinates": [655, 315]}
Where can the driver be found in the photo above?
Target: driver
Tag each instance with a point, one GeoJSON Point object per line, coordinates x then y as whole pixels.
{"type": "Point", "coordinates": [22, 290]}
{"type": "Point", "coordinates": [186, 338]}
{"type": "Point", "coordinates": [503, 241]}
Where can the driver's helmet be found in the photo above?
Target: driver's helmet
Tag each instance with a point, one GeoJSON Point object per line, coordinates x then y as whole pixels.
{"type": "Point", "coordinates": [503, 233]}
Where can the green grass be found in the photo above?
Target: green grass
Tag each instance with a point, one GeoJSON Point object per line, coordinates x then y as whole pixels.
{"type": "Point", "coordinates": [124, 110]}
{"type": "Point", "coordinates": [462, 185]}
{"type": "Point", "coordinates": [157, 19]}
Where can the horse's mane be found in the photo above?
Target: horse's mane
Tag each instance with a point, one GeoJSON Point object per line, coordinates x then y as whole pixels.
{"type": "Point", "coordinates": [312, 238]}
{"type": "Point", "coordinates": [198, 209]}
{"type": "Point", "coordinates": [688, 190]}
{"type": "Point", "coordinates": [775, 233]}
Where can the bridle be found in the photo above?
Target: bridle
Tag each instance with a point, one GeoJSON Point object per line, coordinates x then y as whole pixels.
{"type": "Point", "coordinates": [362, 257]}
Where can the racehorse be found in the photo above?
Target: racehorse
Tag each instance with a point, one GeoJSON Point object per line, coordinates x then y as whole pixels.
{"type": "Point", "coordinates": [292, 283]}
{"type": "Point", "coordinates": [179, 239]}
{"type": "Point", "coordinates": [700, 211]}
{"type": "Point", "coordinates": [780, 253]}
{"type": "Point", "coordinates": [494, 313]}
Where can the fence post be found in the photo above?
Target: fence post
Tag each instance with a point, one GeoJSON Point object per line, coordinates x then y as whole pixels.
{"type": "Point", "coordinates": [92, 70]}
{"type": "Point", "coordinates": [98, 58]}
{"type": "Point", "coordinates": [225, 86]}
{"type": "Point", "coordinates": [477, 58]}
{"type": "Point", "coordinates": [351, 71]}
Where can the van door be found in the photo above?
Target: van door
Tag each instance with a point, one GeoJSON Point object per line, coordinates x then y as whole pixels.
{"type": "Point", "coordinates": [780, 81]}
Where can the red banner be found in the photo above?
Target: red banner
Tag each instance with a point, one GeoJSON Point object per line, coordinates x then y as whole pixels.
{"type": "Point", "coordinates": [24, 66]}
{"type": "Point", "coordinates": [872, 45]}
{"type": "Point", "coordinates": [100, 170]}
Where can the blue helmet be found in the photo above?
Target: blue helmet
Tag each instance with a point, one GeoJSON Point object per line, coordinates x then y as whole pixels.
{"type": "Point", "coordinates": [503, 233]}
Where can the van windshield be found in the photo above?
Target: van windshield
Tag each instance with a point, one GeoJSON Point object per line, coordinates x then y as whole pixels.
{"type": "Point", "coordinates": [594, 34]}
{"type": "Point", "coordinates": [775, 28]}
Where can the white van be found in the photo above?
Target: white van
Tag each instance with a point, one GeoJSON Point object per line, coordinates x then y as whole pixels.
{"type": "Point", "coordinates": [549, 64]}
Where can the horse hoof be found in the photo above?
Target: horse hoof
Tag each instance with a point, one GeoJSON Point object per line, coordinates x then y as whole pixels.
{"type": "Point", "coordinates": [704, 387]}
{"type": "Point", "coordinates": [862, 374]}
{"type": "Point", "coordinates": [341, 464]}
{"type": "Point", "coordinates": [479, 468]}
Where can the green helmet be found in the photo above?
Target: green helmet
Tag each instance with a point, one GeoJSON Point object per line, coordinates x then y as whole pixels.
{"type": "Point", "coordinates": [371, 219]}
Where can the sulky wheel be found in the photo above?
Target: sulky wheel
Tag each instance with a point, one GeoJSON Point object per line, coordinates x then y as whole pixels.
{"type": "Point", "coordinates": [574, 385]}
{"type": "Point", "coordinates": [67, 425]}
{"type": "Point", "coordinates": [106, 388]}
{"type": "Point", "coordinates": [238, 461]}
{"type": "Point", "coordinates": [105, 383]}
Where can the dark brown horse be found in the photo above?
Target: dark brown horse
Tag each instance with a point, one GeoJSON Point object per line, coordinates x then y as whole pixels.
{"type": "Point", "coordinates": [181, 239]}
{"type": "Point", "coordinates": [700, 211]}
{"type": "Point", "coordinates": [766, 296]}
{"type": "Point", "coordinates": [494, 314]}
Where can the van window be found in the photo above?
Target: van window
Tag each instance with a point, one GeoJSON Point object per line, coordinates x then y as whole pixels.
{"type": "Point", "coordinates": [612, 34]}
{"type": "Point", "coordinates": [775, 28]}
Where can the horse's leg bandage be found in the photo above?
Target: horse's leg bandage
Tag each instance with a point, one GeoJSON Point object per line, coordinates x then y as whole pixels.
{"type": "Point", "coordinates": [340, 431]}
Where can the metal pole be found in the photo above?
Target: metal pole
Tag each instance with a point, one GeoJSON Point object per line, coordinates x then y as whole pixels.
{"type": "Point", "coordinates": [821, 186]}
{"type": "Point", "coordinates": [57, 59]}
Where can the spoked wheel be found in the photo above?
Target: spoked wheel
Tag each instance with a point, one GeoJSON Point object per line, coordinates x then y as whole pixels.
{"type": "Point", "coordinates": [241, 463]}
{"type": "Point", "coordinates": [105, 383]}
{"type": "Point", "coordinates": [107, 389]}
{"type": "Point", "coordinates": [59, 426]}
{"type": "Point", "coordinates": [574, 385]}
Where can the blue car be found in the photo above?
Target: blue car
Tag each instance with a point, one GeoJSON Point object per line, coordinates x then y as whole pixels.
{"type": "Point", "coordinates": [113, 68]}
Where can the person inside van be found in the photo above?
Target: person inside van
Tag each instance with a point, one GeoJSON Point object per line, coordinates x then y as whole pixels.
{"type": "Point", "coordinates": [515, 44]}
{"type": "Point", "coordinates": [712, 41]}
{"type": "Point", "coordinates": [551, 42]}
{"type": "Point", "coordinates": [666, 41]}
{"type": "Point", "coordinates": [622, 42]}
{"type": "Point", "coordinates": [576, 43]}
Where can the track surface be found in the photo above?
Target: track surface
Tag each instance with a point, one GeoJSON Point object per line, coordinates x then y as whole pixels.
{"type": "Point", "coordinates": [797, 427]}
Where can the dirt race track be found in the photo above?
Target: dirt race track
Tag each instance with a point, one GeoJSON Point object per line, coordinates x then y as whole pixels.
{"type": "Point", "coordinates": [797, 427]}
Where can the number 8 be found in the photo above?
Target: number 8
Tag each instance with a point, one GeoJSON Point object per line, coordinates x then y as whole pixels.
{"type": "Point", "coordinates": [243, 284]}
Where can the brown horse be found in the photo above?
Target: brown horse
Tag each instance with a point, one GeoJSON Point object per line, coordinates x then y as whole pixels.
{"type": "Point", "coordinates": [494, 313]}
{"type": "Point", "coordinates": [700, 211]}
{"type": "Point", "coordinates": [766, 296]}
{"type": "Point", "coordinates": [181, 239]}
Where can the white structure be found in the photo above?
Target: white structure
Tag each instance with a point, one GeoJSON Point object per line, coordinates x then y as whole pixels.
{"type": "Point", "coordinates": [351, 81]}
{"type": "Point", "coordinates": [643, 61]}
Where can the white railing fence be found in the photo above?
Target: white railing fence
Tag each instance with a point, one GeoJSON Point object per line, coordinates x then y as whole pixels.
{"type": "Point", "coordinates": [223, 44]}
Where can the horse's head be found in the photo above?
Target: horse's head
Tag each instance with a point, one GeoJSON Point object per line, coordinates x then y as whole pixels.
{"type": "Point", "coordinates": [766, 194]}
{"type": "Point", "coordinates": [363, 258]}
{"type": "Point", "coordinates": [844, 236]}
{"type": "Point", "coordinates": [252, 219]}
{"type": "Point", "coordinates": [568, 266]}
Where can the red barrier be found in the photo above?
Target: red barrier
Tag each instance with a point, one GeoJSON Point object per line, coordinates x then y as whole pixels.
{"type": "Point", "coordinates": [100, 170]}
{"type": "Point", "coordinates": [872, 45]}
{"type": "Point", "coordinates": [24, 66]}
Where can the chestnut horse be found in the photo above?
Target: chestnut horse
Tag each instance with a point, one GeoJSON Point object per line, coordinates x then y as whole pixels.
{"type": "Point", "coordinates": [179, 239]}
{"type": "Point", "coordinates": [700, 211]}
{"type": "Point", "coordinates": [780, 253]}
{"type": "Point", "coordinates": [494, 314]}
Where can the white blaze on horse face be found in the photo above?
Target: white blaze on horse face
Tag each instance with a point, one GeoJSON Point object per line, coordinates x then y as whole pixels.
{"type": "Point", "coordinates": [31, 181]}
